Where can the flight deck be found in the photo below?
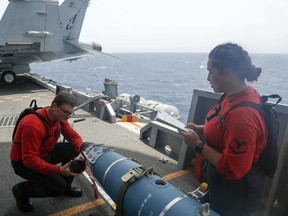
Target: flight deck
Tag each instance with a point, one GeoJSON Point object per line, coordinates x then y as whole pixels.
{"type": "Point", "coordinates": [143, 142]}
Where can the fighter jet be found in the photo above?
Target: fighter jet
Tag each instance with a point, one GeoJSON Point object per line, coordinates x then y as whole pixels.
{"type": "Point", "coordinates": [39, 31]}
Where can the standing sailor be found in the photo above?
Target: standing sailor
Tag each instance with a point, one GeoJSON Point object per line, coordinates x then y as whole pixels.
{"type": "Point", "coordinates": [232, 149]}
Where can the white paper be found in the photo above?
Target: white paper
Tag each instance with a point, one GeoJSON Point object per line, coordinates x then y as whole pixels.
{"type": "Point", "coordinates": [164, 117]}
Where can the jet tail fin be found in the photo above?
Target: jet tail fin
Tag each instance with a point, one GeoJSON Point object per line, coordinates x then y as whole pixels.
{"type": "Point", "coordinates": [72, 15]}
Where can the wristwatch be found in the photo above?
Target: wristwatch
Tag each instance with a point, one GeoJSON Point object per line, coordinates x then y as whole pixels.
{"type": "Point", "coordinates": [199, 147]}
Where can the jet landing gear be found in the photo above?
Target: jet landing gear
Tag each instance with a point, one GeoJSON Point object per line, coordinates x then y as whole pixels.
{"type": "Point", "coordinates": [8, 77]}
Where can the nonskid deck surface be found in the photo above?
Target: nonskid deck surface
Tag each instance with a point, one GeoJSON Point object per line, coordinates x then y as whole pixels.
{"type": "Point", "coordinates": [124, 139]}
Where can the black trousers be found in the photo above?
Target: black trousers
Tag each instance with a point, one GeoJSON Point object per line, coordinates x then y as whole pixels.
{"type": "Point", "coordinates": [234, 197]}
{"type": "Point", "coordinates": [46, 185]}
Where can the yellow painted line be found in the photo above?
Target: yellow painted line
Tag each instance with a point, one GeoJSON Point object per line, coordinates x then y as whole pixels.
{"type": "Point", "coordinates": [23, 97]}
{"type": "Point", "coordinates": [80, 208]}
{"type": "Point", "coordinates": [176, 174]}
{"type": "Point", "coordinates": [134, 124]}
{"type": "Point", "coordinates": [8, 98]}
{"type": "Point", "coordinates": [43, 94]}
{"type": "Point", "coordinates": [137, 124]}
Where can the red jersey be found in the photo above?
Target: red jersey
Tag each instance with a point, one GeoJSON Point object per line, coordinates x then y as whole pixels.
{"type": "Point", "coordinates": [241, 138]}
{"type": "Point", "coordinates": [28, 145]}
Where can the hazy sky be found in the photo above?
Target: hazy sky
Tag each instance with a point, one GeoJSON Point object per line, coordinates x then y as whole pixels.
{"type": "Point", "coordinates": [260, 26]}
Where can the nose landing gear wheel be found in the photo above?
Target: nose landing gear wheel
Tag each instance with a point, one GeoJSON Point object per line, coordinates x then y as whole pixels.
{"type": "Point", "coordinates": [9, 77]}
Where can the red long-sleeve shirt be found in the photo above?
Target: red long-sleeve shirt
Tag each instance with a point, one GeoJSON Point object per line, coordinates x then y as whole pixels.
{"type": "Point", "coordinates": [242, 137]}
{"type": "Point", "coordinates": [27, 145]}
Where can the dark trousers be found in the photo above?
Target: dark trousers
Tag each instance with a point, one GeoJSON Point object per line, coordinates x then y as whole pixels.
{"type": "Point", "coordinates": [46, 185]}
{"type": "Point", "coordinates": [234, 197]}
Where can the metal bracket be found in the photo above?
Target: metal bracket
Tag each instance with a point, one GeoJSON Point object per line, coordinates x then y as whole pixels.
{"type": "Point", "coordinates": [204, 209]}
{"type": "Point", "coordinates": [136, 173]}
{"type": "Point", "coordinates": [92, 155]}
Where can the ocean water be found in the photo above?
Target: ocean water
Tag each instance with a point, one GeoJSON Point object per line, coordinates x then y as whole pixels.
{"type": "Point", "coordinates": [165, 77]}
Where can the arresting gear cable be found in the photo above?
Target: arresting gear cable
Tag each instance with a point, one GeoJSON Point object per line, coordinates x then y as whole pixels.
{"type": "Point", "coordinates": [130, 177]}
